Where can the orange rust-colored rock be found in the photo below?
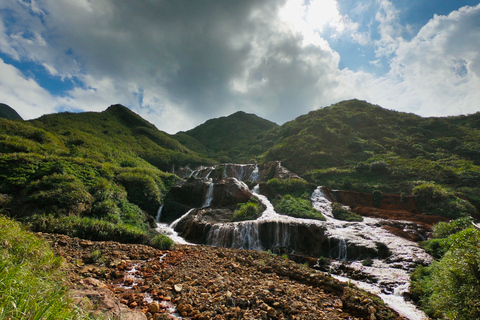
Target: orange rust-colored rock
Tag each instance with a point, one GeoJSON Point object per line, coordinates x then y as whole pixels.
{"type": "Point", "coordinates": [392, 206]}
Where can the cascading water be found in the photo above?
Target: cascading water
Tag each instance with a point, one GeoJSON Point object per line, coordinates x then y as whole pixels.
{"type": "Point", "coordinates": [169, 229]}
{"type": "Point", "coordinates": [159, 213]}
{"type": "Point", "coordinates": [209, 195]}
{"type": "Point", "coordinates": [391, 276]}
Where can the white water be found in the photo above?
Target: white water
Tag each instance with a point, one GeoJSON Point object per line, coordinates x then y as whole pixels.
{"type": "Point", "coordinates": [392, 277]}
{"type": "Point", "coordinates": [168, 230]}
{"type": "Point", "coordinates": [209, 196]}
{"type": "Point", "coordinates": [159, 213]}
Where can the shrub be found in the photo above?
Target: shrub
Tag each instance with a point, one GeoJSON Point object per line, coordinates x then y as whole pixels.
{"type": "Point", "coordinates": [297, 207]}
{"type": "Point", "coordinates": [433, 199]}
{"type": "Point", "coordinates": [379, 167]}
{"type": "Point", "coordinates": [88, 228]}
{"type": "Point", "coordinates": [341, 213]}
{"type": "Point", "coordinates": [142, 189]}
{"type": "Point", "coordinates": [250, 210]}
{"type": "Point", "coordinates": [294, 187]}
{"type": "Point", "coordinates": [450, 287]}
{"type": "Point", "coordinates": [367, 262]}
{"type": "Point", "coordinates": [377, 197]}
{"type": "Point", "coordinates": [322, 261]}
{"type": "Point", "coordinates": [162, 242]}
{"type": "Point", "coordinates": [446, 229]}
{"type": "Point", "coordinates": [63, 191]}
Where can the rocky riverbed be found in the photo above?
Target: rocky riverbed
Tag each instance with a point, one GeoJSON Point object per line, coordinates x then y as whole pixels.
{"type": "Point", "coordinates": [125, 281]}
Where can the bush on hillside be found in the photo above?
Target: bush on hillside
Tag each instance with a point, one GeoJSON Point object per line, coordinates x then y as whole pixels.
{"type": "Point", "coordinates": [341, 213]}
{"type": "Point", "coordinates": [250, 210]}
{"type": "Point", "coordinates": [297, 207]}
{"type": "Point", "coordinates": [294, 187]}
{"type": "Point", "coordinates": [450, 287]}
{"type": "Point", "coordinates": [435, 200]}
{"type": "Point", "coordinates": [162, 242]}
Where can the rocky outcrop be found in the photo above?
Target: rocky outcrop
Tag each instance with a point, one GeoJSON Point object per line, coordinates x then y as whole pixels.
{"type": "Point", "coordinates": [228, 193]}
{"type": "Point", "coordinates": [387, 206]}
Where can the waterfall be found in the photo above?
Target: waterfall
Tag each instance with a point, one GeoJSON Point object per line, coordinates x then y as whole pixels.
{"type": "Point", "coordinates": [209, 195]}
{"type": "Point", "coordinates": [168, 230]}
{"type": "Point", "coordinates": [321, 203]}
{"type": "Point", "coordinates": [255, 175]}
{"type": "Point", "coordinates": [174, 223]}
{"type": "Point", "coordinates": [240, 235]}
{"type": "Point", "coordinates": [159, 213]}
{"type": "Point", "coordinates": [342, 249]}
{"type": "Point", "coordinates": [347, 240]}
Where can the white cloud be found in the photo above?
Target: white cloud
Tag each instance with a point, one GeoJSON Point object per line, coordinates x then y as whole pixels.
{"type": "Point", "coordinates": [24, 94]}
{"type": "Point", "coordinates": [390, 28]}
{"type": "Point", "coordinates": [436, 73]}
{"type": "Point", "coordinates": [179, 63]}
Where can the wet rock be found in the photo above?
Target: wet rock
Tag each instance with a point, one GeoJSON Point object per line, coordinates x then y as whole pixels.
{"type": "Point", "coordinates": [154, 307]}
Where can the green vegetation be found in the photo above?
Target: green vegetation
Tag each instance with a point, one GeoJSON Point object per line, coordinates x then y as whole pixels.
{"type": "Point", "coordinates": [8, 113]}
{"type": "Point", "coordinates": [341, 213]}
{"type": "Point", "coordinates": [353, 145]}
{"type": "Point", "coordinates": [449, 288]}
{"type": "Point", "coordinates": [297, 207]}
{"type": "Point", "coordinates": [294, 187]}
{"type": "Point", "coordinates": [433, 199]}
{"type": "Point", "coordinates": [162, 242]}
{"type": "Point", "coordinates": [250, 210]}
{"type": "Point", "coordinates": [30, 278]}
{"type": "Point", "coordinates": [215, 137]}
{"type": "Point", "coordinates": [90, 175]}
{"type": "Point", "coordinates": [292, 197]}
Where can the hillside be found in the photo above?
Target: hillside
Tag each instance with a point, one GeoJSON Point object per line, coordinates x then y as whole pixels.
{"type": "Point", "coordinates": [119, 135]}
{"type": "Point", "coordinates": [355, 145]}
{"type": "Point", "coordinates": [7, 112]}
{"type": "Point", "coordinates": [228, 139]}
{"type": "Point", "coordinates": [94, 175]}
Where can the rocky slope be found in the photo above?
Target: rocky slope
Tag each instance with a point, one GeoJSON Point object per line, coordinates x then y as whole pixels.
{"type": "Point", "coordinates": [197, 282]}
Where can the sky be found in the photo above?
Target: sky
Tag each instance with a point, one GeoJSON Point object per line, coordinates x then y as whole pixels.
{"type": "Point", "coordinates": [179, 63]}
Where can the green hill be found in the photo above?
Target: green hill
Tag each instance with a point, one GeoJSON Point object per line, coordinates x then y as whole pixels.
{"type": "Point", "coordinates": [7, 112]}
{"type": "Point", "coordinates": [228, 139]}
{"type": "Point", "coordinates": [93, 175]}
{"type": "Point", "coordinates": [359, 146]}
{"type": "Point", "coordinates": [118, 135]}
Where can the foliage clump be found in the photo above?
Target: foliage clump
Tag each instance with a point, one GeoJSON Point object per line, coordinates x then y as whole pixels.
{"type": "Point", "coordinates": [341, 213]}
{"type": "Point", "coordinates": [31, 280]}
{"type": "Point", "coordinates": [436, 200]}
{"type": "Point", "coordinates": [297, 207]}
{"type": "Point", "coordinates": [293, 187]}
{"type": "Point", "coordinates": [250, 210]}
{"type": "Point", "coordinates": [162, 242]}
{"type": "Point", "coordinates": [449, 288]}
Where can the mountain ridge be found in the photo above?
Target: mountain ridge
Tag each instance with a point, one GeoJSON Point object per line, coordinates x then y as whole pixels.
{"type": "Point", "coordinates": [8, 112]}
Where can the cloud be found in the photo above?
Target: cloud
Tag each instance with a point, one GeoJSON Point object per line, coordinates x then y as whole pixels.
{"type": "Point", "coordinates": [192, 60]}
{"type": "Point", "coordinates": [436, 73]}
{"type": "Point", "coordinates": [24, 94]}
{"type": "Point", "coordinates": [179, 63]}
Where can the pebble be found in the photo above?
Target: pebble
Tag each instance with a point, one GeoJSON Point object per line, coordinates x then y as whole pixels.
{"type": "Point", "coordinates": [217, 283]}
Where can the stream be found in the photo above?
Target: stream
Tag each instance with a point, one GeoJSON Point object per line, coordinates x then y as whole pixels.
{"type": "Point", "coordinates": [388, 278]}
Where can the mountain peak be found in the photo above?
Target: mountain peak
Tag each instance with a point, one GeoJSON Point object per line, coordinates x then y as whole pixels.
{"type": "Point", "coordinates": [8, 113]}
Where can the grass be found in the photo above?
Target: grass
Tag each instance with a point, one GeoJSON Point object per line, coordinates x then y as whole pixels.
{"type": "Point", "coordinates": [341, 213]}
{"type": "Point", "coordinates": [250, 210]}
{"type": "Point", "coordinates": [30, 278]}
{"type": "Point", "coordinates": [297, 207]}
